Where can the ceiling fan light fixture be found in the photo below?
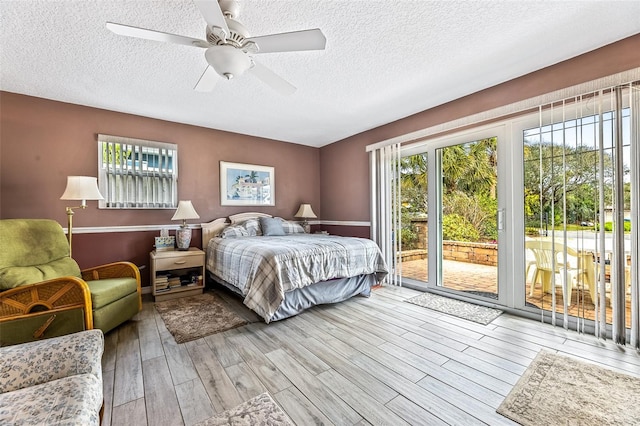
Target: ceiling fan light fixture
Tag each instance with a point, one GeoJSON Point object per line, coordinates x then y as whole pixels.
{"type": "Point", "coordinates": [227, 61]}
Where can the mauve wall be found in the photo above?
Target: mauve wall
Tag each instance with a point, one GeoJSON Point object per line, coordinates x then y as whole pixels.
{"type": "Point", "coordinates": [43, 141]}
{"type": "Point", "coordinates": [344, 165]}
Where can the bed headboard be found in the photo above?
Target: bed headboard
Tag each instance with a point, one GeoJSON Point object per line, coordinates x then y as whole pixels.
{"type": "Point", "coordinates": [213, 228]}
{"type": "Point", "coordinates": [240, 217]}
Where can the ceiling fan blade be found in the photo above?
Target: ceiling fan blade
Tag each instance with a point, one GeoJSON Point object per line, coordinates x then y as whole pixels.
{"type": "Point", "coordinates": [272, 79]}
{"type": "Point", "coordinates": [211, 12]}
{"type": "Point", "coordinates": [290, 42]}
{"type": "Point", "coordinates": [207, 81]}
{"type": "Point", "coordinates": [137, 32]}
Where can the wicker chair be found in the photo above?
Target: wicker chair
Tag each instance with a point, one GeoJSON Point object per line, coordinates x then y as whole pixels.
{"type": "Point", "coordinates": [38, 280]}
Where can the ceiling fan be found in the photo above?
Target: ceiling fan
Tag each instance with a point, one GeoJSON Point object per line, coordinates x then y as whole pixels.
{"type": "Point", "coordinates": [229, 47]}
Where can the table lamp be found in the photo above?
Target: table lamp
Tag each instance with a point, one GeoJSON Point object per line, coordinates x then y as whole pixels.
{"type": "Point", "coordinates": [79, 188]}
{"type": "Point", "coordinates": [183, 235]}
{"type": "Point", "coordinates": [305, 212]}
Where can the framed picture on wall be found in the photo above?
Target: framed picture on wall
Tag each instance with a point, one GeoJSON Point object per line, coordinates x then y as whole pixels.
{"type": "Point", "coordinates": [247, 185]}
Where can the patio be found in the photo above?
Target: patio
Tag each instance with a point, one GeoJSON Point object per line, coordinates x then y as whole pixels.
{"type": "Point", "coordinates": [465, 276]}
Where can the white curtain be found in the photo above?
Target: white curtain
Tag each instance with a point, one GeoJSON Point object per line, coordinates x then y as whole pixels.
{"type": "Point", "coordinates": [385, 207]}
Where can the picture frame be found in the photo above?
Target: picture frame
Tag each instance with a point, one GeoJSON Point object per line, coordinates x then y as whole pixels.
{"type": "Point", "coordinates": [247, 185]}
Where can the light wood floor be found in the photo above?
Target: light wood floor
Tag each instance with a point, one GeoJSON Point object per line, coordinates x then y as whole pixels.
{"type": "Point", "coordinates": [365, 361]}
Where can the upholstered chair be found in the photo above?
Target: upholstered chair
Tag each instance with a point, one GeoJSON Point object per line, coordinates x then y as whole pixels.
{"type": "Point", "coordinates": [36, 251]}
{"type": "Point", "coordinates": [56, 381]}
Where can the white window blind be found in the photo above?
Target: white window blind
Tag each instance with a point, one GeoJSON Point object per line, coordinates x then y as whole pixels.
{"type": "Point", "coordinates": [135, 173]}
{"type": "Point", "coordinates": [597, 133]}
{"type": "Point", "coordinates": [385, 207]}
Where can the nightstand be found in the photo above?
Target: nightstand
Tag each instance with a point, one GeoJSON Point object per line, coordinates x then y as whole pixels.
{"type": "Point", "coordinates": [176, 273]}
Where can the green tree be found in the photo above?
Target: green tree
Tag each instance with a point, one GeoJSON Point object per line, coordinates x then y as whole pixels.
{"type": "Point", "coordinates": [469, 185]}
{"type": "Point", "coordinates": [553, 174]}
{"type": "Point", "coordinates": [471, 167]}
{"type": "Point", "coordinates": [113, 152]}
{"type": "Point", "coordinates": [413, 183]}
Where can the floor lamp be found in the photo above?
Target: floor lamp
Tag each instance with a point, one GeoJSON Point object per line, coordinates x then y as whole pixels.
{"type": "Point", "coordinates": [79, 188]}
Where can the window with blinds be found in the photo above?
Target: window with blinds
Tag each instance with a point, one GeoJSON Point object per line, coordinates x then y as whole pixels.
{"type": "Point", "coordinates": [134, 173]}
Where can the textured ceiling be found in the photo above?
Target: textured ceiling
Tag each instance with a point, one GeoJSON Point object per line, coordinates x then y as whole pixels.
{"type": "Point", "coordinates": [384, 59]}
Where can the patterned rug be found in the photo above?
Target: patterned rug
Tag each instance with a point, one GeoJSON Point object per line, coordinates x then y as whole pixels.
{"type": "Point", "coordinates": [558, 390]}
{"type": "Point", "coordinates": [190, 318]}
{"type": "Point", "coordinates": [259, 411]}
{"type": "Point", "coordinates": [457, 308]}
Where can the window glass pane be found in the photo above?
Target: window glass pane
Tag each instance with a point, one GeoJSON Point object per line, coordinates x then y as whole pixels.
{"type": "Point", "coordinates": [563, 184]}
{"type": "Point", "coordinates": [414, 216]}
{"type": "Point", "coordinates": [134, 173]}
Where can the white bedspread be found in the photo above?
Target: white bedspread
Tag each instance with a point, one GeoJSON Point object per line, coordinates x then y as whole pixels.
{"type": "Point", "coordinates": [265, 268]}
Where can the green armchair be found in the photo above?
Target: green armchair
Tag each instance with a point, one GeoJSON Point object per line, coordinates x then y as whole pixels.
{"type": "Point", "coordinates": [38, 275]}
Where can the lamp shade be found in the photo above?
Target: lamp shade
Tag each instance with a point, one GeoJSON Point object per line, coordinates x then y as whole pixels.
{"type": "Point", "coordinates": [305, 211]}
{"type": "Point", "coordinates": [185, 211]}
{"type": "Point", "coordinates": [82, 188]}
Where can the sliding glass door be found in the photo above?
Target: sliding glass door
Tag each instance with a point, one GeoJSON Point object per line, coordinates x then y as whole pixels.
{"type": "Point", "coordinates": [451, 214]}
{"type": "Point", "coordinates": [468, 212]}
{"type": "Point", "coordinates": [537, 213]}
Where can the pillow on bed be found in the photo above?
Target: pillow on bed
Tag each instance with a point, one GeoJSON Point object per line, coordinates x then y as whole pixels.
{"type": "Point", "coordinates": [252, 226]}
{"type": "Point", "coordinates": [292, 227]}
{"type": "Point", "coordinates": [271, 226]}
{"type": "Point", "coordinates": [233, 231]}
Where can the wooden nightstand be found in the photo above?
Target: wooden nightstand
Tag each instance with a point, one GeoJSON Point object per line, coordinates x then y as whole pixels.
{"type": "Point", "coordinates": [176, 273]}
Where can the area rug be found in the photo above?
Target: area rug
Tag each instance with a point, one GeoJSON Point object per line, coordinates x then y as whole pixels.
{"type": "Point", "coordinates": [558, 390]}
{"type": "Point", "coordinates": [190, 318]}
{"type": "Point", "coordinates": [259, 411]}
{"type": "Point", "coordinates": [457, 308]}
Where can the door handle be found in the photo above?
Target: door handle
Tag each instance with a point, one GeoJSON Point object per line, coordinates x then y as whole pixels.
{"type": "Point", "coordinates": [500, 219]}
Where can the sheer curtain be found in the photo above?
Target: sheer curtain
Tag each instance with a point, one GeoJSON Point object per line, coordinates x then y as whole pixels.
{"type": "Point", "coordinates": [385, 207]}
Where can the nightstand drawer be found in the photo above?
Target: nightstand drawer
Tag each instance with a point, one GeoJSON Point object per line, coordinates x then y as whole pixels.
{"type": "Point", "coordinates": [179, 262]}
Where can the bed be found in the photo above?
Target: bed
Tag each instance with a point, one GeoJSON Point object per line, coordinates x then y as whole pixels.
{"type": "Point", "coordinates": [278, 274]}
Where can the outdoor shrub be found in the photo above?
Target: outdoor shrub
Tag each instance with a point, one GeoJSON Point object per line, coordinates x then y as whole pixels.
{"type": "Point", "coordinates": [457, 228]}
{"type": "Point", "coordinates": [608, 226]}
{"type": "Point", "coordinates": [530, 230]}
{"type": "Point", "coordinates": [409, 238]}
